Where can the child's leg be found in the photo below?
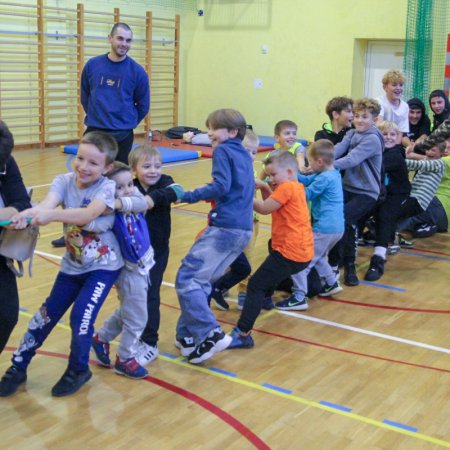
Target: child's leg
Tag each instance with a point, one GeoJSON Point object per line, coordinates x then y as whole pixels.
{"type": "Point", "coordinates": [207, 260]}
{"type": "Point", "coordinates": [9, 311]}
{"type": "Point", "coordinates": [133, 293]}
{"type": "Point", "coordinates": [239, 269]}
{"type": "Point", "coordinates": [272, 271]}
{"type": "Point", "coordinates": [62, 295]}
{"type": "Point", "coordinates": [150, 333]}
{"type": "Point", "coordinates": [323, 243]}
{"type": "Point", "coordinates": [93, 291]}
{"type": "Point", "coordinates": [249, 253]}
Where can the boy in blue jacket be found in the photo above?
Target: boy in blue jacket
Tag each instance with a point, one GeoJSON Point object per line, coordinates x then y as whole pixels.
{"type": "Point", "coordinates": [199, 335]}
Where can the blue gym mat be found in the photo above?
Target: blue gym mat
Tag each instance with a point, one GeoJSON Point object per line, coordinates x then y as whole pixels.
{"type": "Point", "coordinates": [168, 154]}
{"type": "Point", "coordinates": [269, 141]}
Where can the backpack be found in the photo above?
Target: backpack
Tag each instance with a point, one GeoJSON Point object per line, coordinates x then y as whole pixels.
{"type": "Point", "coordinates": [177, 132]}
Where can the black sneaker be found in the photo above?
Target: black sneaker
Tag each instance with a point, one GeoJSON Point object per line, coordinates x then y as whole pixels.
{"type": "Point", "coordinates": [350, 277]}
{"type": "Point", "coordinates": [219, 301]}
{"type": "Point", "coordinates": [185, 345]}
{"type": "Point", "coordinates": [376, 268]}
{"type": "Point", "coordinates": [12, 379]}
{"type": "Point", "coordinates": [216, 341]}
{"type": "Point", "coordinates": [70, 382]}
{"type": "Point", "coordinates": [60, 242]}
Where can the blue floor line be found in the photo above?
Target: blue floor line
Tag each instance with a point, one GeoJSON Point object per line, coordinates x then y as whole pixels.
{"type": "Point", "coordinates": [383, 286]}
{"type": "Point", "coordinates": [400, 425]}
{"type": "Point", "coordinates": [277, 388]}
{"type": "Point", "coordinates": [335, 406]}
{"type": "Point", "coordinates": [421, 255]}
{"type": "Point", "coordinates": [223, 372]}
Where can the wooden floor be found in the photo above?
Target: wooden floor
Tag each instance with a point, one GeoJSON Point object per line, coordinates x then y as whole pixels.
{"type": "Point", "coordinates": [369, 369]}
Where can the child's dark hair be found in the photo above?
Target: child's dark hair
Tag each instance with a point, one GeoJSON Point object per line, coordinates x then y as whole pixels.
{"type": "Point", "coordinates": [337, 104]}
{"type": "Point", "coordinates": [322, 148]}
{"type": "Point", "coordinates": [441, 144]}
{"type": "Point", "coordinates": [282, 124]}
{"type": "Point", "coordinates": [367, 104]}
{"type": "Point", "coordinates": [282, 158]}
{"type": "Point", "coordinates": [123, 25]}
{"type": "Point", "coordinates": [145, 150]}
{"type": "Point", "coordinates": [118, 167]}
{"type": "Point", "coordinates": [6, 144]}
{"type": "Point", "coordinates": [229, 119]}
{"type": "Point", "coordinates": [104, 142]}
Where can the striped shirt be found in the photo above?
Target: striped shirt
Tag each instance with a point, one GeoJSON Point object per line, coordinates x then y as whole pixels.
{"type": "Point", "coordinates": [428, 176]}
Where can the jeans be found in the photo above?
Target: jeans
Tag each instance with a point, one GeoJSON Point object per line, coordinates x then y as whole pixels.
{"type": "Point", "coordinates": [205, 262]}
{"type": "Point", "coordinates": [240, 269]}
{"type": "Point", "coordinates": [87, 292]}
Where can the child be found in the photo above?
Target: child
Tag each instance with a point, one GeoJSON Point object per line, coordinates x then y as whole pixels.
{"type": "Point", "coordinates": [292, 245]}
{"type": "Point", "coordinates": [340, 112]}
{"type": "Point", "coordinates": [363, 148]}
{"type": "Point", "coordinates": [397, 189]}
{"type": "Point", "coordinates": [324, 190]}
{"type": "Point", "coordinates": [286, 139]}
{"type": "Point", "coordinates": [198, 334]}
{"type": "Point", "coordinates": [130, 318]}
{"type": "Point", "coordinates": [146, 164]}
{"type": "Point", "coordinates": [89, 267]}
{"type": "Point", "coordinates": [393, 108]}
{"type": "Point", "coordinates": [440, 106]}
{"type": "Point", "coordinates": [419, 124]}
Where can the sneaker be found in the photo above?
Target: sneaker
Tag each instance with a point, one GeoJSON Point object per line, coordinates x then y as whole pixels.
{"type": "Point", "coordinates": [101, 350]}
{"type": "Point", "coordinates": [376, 268]}
{"type": "Point", "coordinates": [216, 341]}
{"type": "Point", "coordinates": [293, 304]}
{"type": "Point", "coordinates": [185, 345]}
{"type": "Point", "coordinates": [425, 230]}
{"type": "Point", "coordinates": [70, 382]}
{"type": "Point", "coordinates": [12, 379]}
{"type": "Point", "coordinates": [336, 272]}
{"type": "Point", "coordinates": [393, 249]}
{"type": "Point", "coordinates": [60, 242]}
{"type": "Point", "coordinates": [239, 340]}
{"type": "Point", "coordinates": [350, 277]}
{"type": "Point", "coordinates": [268, 304]}
{"type": "Point", "coordinates": [146, 353]}
{"type": "Point", "coordinates": [241, 300]}
{"type": "Point", "coordinates": [402, 242]}
{"type": "Point", "coordinates": [328, 290]}
{"type": "Point", "coordinates": [130, 368]}
{"type": "Point", "coordinates": [219, 301]}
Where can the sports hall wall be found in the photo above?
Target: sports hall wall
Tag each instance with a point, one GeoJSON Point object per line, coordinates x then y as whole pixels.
{"type": "Point", "coordinates": [303, 52]}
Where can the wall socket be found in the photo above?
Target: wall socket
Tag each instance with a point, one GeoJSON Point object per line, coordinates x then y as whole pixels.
{"type": "Point", "coordinates": [258, 83]}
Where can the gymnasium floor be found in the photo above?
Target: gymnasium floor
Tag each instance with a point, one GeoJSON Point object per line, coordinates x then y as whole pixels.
{"type": "Point", "coordinates": [368, 369]}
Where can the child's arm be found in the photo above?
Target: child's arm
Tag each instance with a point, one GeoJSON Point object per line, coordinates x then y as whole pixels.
{"type": "Point", "coordinates": [301, 161]}
{"type": "Point", "coordinates": [264, 188]}
{"type": "Point", "coordinates": [266, 206]}
{"type": "Point", "coordinates": [427, 165]}
{"type": "Point", "coordinates": [135, 203]}
{"type": "Point", "coordinates": [343, 146]}
{"type": "Point", "coordinates": [368, 147]}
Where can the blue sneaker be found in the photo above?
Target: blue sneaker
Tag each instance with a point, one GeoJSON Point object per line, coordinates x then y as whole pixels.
{"type": "Point", "coordinates": [241, 300]}
{"type": "Point", "coordinates": [268, 304]}
{"type": "Point", "coordinates": [130, 368]}
{"type": "Point", "coordinates": [239, 340]}
{"type": "Point", "coordinates": [292, 304]}
{"type": "Point", "coordinates": [101, 350]}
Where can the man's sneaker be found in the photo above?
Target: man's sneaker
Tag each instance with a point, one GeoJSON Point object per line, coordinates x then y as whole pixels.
{"type": "Point", "coordinates": [101, 350]}
{"type": "Point", "coordinates": [376, 268]}
{"type": "Point", "coordinates": [60, 242]}
{"type": "Point", "coordinates": [239, 340]}
{"type": "Point", "coordinates": [328, 290]}
{"type": "Point", "coordinates": [292, 304]}
{"type": "Point", "coordinates": [219, 301]}
{"type": "Point", "coordinates": [12, 379]}
{"type": "Point", "coordinates": [216, 341]}
{"type": "Point", "coordinates": [350, 277]}
{"type": "Point", "coordinates": [146, 353]}
{"type": "Point", "coordinates": [241, 300]}
{"type": "Point", "coordinates": [70, 382]}
{"type": "Point", "coordinates": [268, 304]}
{"type": "Point", "coordinates": [185, 345]}
{"type": "Point", "coordinates": [130, 368]}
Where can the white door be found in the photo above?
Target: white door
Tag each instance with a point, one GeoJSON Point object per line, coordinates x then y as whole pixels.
{"type": "Point", "coordinates": [381, 56]}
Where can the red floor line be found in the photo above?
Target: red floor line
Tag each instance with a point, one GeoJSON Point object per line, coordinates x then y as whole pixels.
{"type": "Point", "coordinates": [396, 308]}
{"type": "Point", "coordinates": [200, 401]}
{"type": "Point", "coordinates": [423, 250]}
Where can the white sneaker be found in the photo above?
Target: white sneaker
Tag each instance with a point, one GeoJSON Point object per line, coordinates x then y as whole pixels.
{"type": "Point", "coordinates": [185, 345]}
{"type": "Point", "coordinates": [146, 353]}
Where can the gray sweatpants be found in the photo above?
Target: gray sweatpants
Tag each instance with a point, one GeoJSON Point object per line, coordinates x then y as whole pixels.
{"type": "Point", "coordinates": [323, 243]}
{"type": "Point", "coordinates": [130, 317]}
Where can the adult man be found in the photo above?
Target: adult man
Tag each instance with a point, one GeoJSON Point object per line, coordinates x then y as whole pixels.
{"type": "Point", "coordinates": [115, 94]}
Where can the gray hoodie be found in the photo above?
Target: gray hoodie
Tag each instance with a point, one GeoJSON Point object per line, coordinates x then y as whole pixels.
{"type": "Point", "coordinates": [362, 161]}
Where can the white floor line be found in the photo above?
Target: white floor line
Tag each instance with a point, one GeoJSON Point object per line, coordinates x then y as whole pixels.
{"type": "Point", "coordinates": [324, 322]}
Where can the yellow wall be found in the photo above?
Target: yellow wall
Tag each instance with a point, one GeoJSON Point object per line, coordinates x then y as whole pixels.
{"type": "Point", "coordinates": [312, 49]}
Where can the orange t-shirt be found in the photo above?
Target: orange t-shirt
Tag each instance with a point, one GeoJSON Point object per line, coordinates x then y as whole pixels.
{"type": "Point", "coordinates": [291, 226]}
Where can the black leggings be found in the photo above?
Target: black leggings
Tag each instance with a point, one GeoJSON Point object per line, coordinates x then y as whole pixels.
{"type": "Point", "coordinates": [9, 303]}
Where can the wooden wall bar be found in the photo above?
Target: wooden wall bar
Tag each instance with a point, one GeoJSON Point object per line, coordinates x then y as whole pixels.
{"type": "Point", "coordinates": [43, 52]}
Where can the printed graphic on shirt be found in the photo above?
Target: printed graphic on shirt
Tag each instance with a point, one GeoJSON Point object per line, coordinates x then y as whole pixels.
{"type": "Point", "coordinates": [110, 81]}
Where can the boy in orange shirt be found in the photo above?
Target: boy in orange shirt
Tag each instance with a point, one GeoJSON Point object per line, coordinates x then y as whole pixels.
{"type": "Point", "coordinates": [292, 244]}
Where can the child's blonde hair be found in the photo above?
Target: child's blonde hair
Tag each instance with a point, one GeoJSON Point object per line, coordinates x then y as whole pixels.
{"type": "Point", "coordinates": [385, 125]}
{"type": "Point", "coordinates": [104, 142]}
{"type": "Point", "coordinates": [142, 151]}
{"type": "Point", "coordinates": [251, 137]}
{"type": "Point", "coordinates": [283, 159]}
{"type": "Point", "coordinates": [322, 148]}
{"type": "Point", "coordinates": [367, 104]}
{"type": "Point", "coordinates": [393, 77]}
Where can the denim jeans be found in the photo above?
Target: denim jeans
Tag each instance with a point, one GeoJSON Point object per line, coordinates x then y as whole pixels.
{"type": "Point", "coordinates": [205, 262]}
